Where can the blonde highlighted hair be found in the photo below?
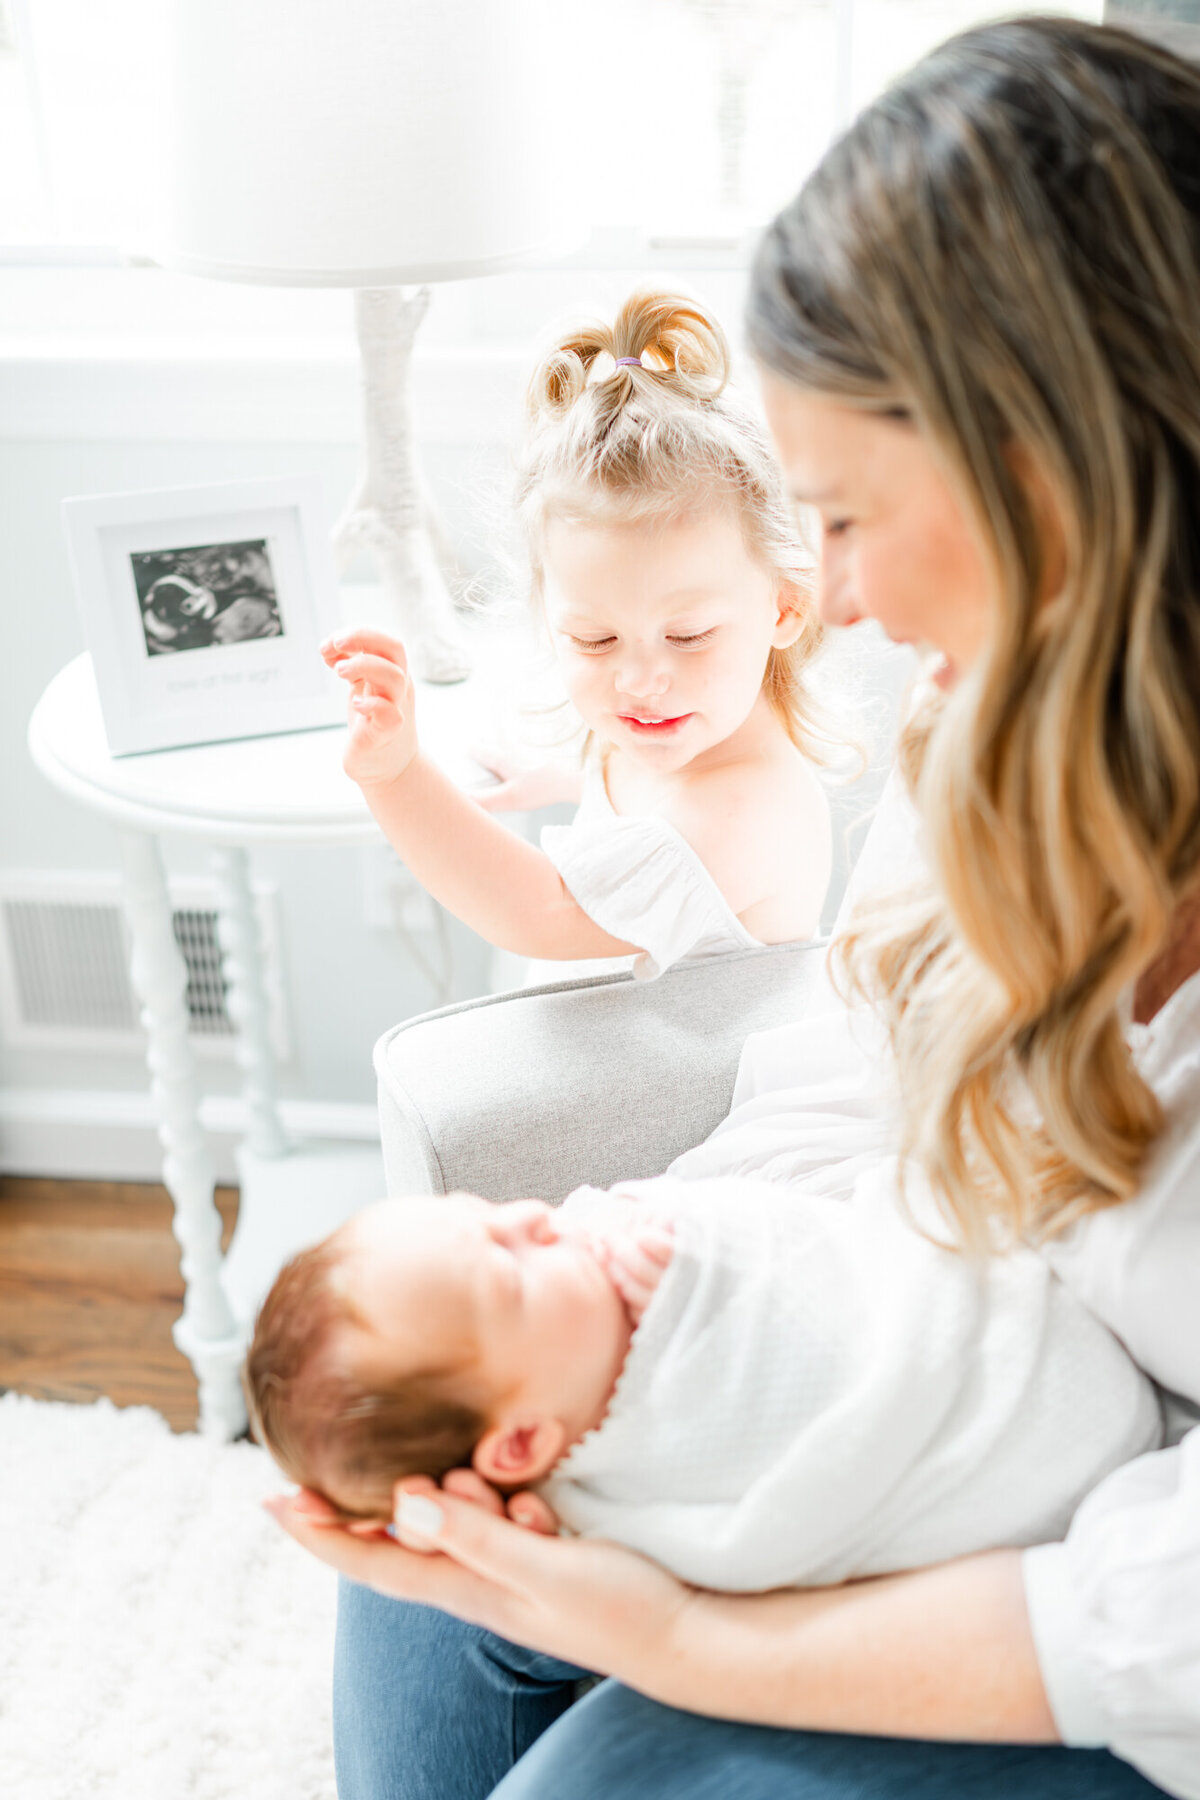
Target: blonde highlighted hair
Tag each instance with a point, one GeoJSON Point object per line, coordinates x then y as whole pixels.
{"type": "Point", "coordinates": [611, 441]}
{"type": "Point", "coordinates": [1003, 253]}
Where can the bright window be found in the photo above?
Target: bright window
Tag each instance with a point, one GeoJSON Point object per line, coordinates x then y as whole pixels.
{"type": "Point", "coordinates": [696, 118]}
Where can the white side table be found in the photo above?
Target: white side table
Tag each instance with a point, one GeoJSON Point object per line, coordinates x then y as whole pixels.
{"type": "Point", "coordinates": [288, 789]}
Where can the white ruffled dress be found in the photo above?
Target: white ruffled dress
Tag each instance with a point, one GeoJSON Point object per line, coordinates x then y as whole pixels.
{"type": "Point", "coordinates": [642, 882]}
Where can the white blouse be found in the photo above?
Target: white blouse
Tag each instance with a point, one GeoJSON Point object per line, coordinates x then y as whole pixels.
{"type": "Point", "coordinates": [1115, 1608]}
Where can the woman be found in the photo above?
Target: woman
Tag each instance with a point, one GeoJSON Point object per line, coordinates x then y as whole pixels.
{"type": "Point", "coordinates": [980, 330]}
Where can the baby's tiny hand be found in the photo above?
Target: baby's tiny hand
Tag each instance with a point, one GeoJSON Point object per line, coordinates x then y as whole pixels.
{"type": "Point", "coordinates": [636, 1262]}
{"type": "Point", "coordinates": [383, 728]}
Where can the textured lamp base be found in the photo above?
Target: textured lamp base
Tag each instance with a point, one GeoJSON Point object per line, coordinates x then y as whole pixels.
{"type": "Point", "coordinates": [388, 514]}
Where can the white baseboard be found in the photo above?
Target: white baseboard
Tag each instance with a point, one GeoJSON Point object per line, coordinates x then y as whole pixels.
{"type": "Point", "coordinates": [85, 1134]}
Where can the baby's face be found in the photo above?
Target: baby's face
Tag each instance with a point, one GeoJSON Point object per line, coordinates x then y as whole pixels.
{"type": "Point", "coordinates": [509, 1289]}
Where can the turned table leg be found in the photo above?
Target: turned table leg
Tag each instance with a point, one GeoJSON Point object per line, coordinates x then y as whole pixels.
{"type": "Point", "coordinates": [246, 1001]}
{"type": "Point", "coordinates": [207, 1332]}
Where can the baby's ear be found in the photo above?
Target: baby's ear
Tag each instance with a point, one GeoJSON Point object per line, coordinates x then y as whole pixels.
{"type": "Point", "coordinates": [794, 610]}
{"type": "Point", "coordinates": [518, 1451]}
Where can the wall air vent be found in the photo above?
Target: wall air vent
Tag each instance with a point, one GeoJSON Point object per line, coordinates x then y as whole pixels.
{"type": "Point", "coordinates": [64, 964]}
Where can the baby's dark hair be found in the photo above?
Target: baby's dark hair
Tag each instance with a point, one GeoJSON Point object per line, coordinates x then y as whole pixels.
{"type": "Point", "coordinates": [327, 1425]}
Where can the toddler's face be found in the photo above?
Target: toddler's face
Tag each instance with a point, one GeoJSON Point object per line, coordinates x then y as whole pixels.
{"type": "Point", "coordinates": [507, 1288]}
{"type": "Point", "coordinates": [662, 630]}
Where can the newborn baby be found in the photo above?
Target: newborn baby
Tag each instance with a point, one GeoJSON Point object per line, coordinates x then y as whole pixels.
{"type": "Point", "coordinates": [756, 1388]}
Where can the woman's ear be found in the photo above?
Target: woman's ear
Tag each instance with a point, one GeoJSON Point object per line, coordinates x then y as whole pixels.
{"type": "Point", "coordinates": [518, 1451]}
{"type": "Point", "coordinates": [793, 609]}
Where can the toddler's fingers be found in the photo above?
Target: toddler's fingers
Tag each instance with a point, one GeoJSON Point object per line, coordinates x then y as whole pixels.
{"type": "Point", "coordinates": [497, 762]}
{"type": "Point", "coordinates": [494, 799]}
{"type": "Point", "coordinates": [381, 713]}
{"type": "Point", "coordinates": [374, 643]}
{"type": "Point", "coordinates": [387, 677]}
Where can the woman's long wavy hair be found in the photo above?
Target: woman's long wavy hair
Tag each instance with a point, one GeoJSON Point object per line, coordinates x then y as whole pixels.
{"type": "Point", "coordinates": [1004, 250]}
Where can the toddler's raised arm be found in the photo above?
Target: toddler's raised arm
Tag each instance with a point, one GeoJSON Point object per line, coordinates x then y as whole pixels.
{"type": "Point", "coordinates": [497, 883]}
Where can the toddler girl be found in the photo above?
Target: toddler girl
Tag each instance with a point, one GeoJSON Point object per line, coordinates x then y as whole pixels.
{"type": "Point", "coordinates": [675, 590]}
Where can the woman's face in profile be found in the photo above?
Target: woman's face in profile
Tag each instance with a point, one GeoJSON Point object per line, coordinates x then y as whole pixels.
{"type": "Point", "coordinates": [896, 545]}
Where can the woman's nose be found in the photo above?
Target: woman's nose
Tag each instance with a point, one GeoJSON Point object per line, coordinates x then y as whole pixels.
{"type": "Point", "coordinates": [836, 599]}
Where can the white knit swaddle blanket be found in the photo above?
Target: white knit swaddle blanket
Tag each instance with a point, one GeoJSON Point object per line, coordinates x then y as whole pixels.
{"type": "Point", "coordinates": [817, 1392]}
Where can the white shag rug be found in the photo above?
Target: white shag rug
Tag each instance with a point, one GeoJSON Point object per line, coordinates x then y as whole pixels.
{"type": "Point", "coordinates": [159, 1636]}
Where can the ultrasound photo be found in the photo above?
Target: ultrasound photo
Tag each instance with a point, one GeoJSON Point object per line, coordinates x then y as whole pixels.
{"type": "Point", "coordinates": [206, 594]}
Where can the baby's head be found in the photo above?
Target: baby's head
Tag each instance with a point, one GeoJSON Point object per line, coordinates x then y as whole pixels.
{"type": "Point", "coordinates": [427, 1335]}
{"type": "Point", "coordinates": [664, 552]}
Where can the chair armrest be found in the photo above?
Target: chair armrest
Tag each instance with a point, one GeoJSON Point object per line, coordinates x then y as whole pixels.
{"type": "Point", "coordinates": [540, 1090]}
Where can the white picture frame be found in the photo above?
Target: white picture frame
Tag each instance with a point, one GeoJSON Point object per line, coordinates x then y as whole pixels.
{"type": "Point", "coordinates": [203, 609]}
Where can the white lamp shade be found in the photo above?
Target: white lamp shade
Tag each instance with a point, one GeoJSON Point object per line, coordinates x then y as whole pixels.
{"type": "Point", "coordinates": [360, 143]}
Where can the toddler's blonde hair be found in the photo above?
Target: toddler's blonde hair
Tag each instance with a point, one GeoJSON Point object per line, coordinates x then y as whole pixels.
{"type": "Point", "coordinates": [665, 438]}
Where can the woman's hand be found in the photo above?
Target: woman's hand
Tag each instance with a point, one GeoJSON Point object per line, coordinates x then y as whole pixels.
{"type": "Point", "coordinates": [586, 1602]}
{"type": "Point", "coordinates": [382, 713]}
{"type": "Point", "coordinates": [944, 1652]}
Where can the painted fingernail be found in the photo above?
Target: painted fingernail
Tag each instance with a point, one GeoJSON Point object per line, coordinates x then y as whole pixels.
{"type": "Point", "coordinates": [417, 1514]}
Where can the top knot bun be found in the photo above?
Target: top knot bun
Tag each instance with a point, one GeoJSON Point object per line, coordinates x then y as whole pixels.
{"type": "Point", "coordinates": [676, 341]}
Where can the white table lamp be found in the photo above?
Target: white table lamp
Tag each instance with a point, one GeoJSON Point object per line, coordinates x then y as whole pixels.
{"type": "Point", "coordinates": [372, 144]}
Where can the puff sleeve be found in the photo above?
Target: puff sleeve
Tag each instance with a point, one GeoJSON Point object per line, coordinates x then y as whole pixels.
{"type": "Point", "coordinates": [641, 881]}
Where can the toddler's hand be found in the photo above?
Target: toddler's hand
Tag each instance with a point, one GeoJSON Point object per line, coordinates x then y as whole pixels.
{"type": "Point", "coordinates": [636, 1262]}
{"type": "Point", "coordinates": [383, 727]}
{"type": "Point", "coordinates": [521, 787]}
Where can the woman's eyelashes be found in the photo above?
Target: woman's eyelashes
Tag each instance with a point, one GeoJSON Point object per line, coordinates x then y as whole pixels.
{"type": "Point", "coordinates": [836, 527]}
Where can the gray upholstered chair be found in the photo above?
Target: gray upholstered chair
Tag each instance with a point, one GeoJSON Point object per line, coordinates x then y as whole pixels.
{"type": "Point", "coordinates": [537, 1091]}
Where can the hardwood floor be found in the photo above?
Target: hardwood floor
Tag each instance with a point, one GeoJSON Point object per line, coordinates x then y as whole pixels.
{"type": "Point", "coordinates": [89, 1290]}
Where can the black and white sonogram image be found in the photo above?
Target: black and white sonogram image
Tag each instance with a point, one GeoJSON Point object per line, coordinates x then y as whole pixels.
{"type": "Point", "coordinates": [206, 595]}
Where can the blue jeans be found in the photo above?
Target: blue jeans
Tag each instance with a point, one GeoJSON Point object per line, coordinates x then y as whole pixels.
{"type": "Point", "coordinates": [428, 1709]}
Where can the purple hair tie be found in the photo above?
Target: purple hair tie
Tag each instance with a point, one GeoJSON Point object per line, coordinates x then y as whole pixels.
{"type": "Point", "coordinates": [634, 362]}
